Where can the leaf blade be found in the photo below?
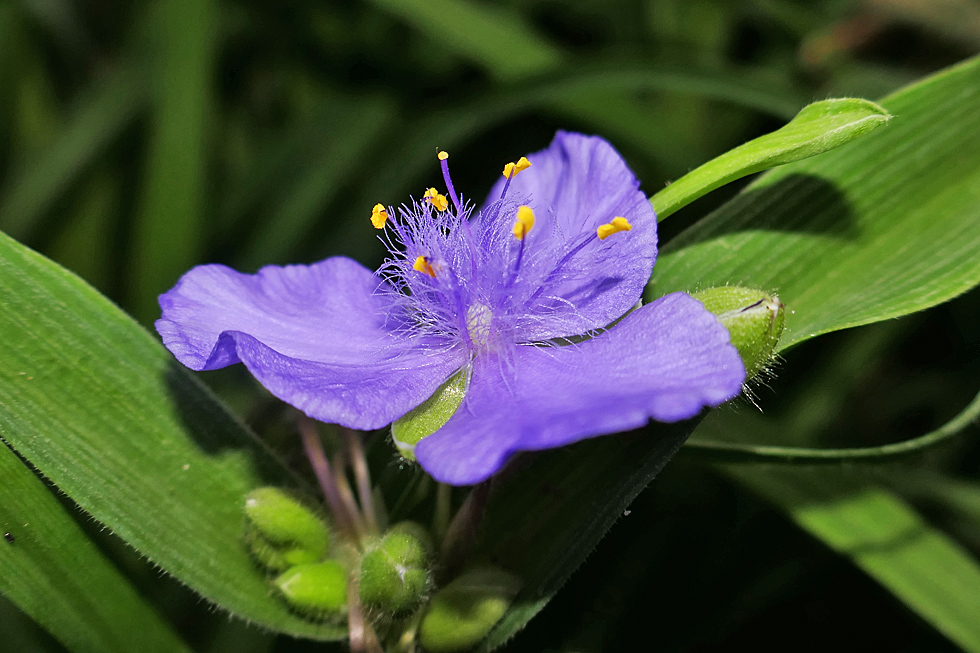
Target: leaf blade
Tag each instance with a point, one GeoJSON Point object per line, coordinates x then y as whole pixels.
{"type": "Point", "coordinates": [883, 536]}
{"type": "Point", "coordinates": [55, 574]}
{"type": "Point", "coordinates": [104, 412]}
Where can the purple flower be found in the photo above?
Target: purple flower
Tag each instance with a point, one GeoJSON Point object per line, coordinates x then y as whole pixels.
{"type": "Point", "coordinates": [561, 249]}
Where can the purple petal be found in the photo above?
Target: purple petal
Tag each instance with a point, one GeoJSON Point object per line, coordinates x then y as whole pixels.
{"type": "Point", "coordinates": [320, 337]}
{"type": "Point", "coordinates": [577, 184]}
{"type": "Point", "coordinates": [665, 361]}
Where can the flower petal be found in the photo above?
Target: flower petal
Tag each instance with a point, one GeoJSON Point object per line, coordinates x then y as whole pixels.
{"type": "Point", "coordinates": [320, 337]}
{"type": "Point", "coordinates": [666, 361]}
{"type": "Point", "coordinates": [577, 184]}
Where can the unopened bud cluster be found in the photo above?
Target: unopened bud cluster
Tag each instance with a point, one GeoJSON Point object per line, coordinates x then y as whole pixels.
{"type": "Point", "coordinates": [392, 573]}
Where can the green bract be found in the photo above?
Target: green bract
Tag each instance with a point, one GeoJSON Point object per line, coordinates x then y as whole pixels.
{"type": "Point", "coordinates": [464, 611]}
{"type": "Point", "coordinates": [428, 417]}
{"type": "Point", "coordinates": [281, 532]}
{"type": "Point", "coordinates": [754, 320]}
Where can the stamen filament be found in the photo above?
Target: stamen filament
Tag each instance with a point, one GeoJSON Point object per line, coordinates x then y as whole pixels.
{"type": "Point", "coordinates": [444, 164]}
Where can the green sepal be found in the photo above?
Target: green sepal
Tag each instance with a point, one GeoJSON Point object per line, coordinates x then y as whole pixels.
{"type": "Point", "coordinates": [464, 611]}
{"type": "Point", "coordinates": [754, 319]}
{"type": "Point", "coordinates": [318, 590]}
{"type": "Point", "coordinates": [429, 417]}
{"type": "Point", "coordinates": [281, 532]}
{"type": "Point", "coordinates": [395, 575]}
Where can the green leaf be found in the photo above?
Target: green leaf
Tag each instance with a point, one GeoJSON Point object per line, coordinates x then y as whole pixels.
{"type": "Point", "coordinates": [882, 535]}
{"type": "Point", "coordinates": [860, 234]}
{"type": "Point", "coordinates": [55, 574]}
{"type": "Point", "coordinates": [818, 128]}
{"type": "Point", "coordinates": [106, 414]}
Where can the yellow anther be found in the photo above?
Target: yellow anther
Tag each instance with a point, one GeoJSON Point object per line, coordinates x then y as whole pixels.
{"type": "Point", "coordinates": [422, 265]}
{"type": "Point", "coordinates": [443, 155]}
{"type": "Point", "coordinates": [379, 216]}
{"type": "Point", "coordinates": [525, 220]}
{"type": "Point", "coordinates": [618, 224]}
{"type": "Point", "coordinates": [511, 169]}
{"type": "Point", "coordinates": [436, 199]}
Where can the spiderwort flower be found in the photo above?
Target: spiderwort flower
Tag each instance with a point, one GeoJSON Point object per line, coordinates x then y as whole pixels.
{"type": "Point", "coordinates": [563, 247]}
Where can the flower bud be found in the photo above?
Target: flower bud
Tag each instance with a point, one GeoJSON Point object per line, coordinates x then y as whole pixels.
{"type": "Point", "coordinates": [464, 611]}
{"type": "Point", "coordinates": [395, 574]}
{"type": "Point", "coordinates": [416, 530]}
{"type": "Point", "coordinates": [318, 589]}
{"type": "Point", "coordinates": [754, 320]}
{"type": "Point", "coordinates": [281, 532]}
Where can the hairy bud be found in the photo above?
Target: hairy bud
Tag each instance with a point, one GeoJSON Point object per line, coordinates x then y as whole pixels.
{"type": "Point", "coordinates": [754, 319]}
{"type": "Point", "coordinates": [464, 611]}
{"type": "Point", "coordinates": [394, 574]}
{"type": "Point", "coordinates": [281, 532]}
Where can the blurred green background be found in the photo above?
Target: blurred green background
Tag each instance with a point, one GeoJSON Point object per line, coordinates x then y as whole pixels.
{"type": "Point", "coordinates": [138, 139]}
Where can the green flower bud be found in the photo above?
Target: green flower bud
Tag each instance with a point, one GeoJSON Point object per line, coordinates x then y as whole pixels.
{"type": "Point", "coordinates": [281, 532]}
{"type": "Point", "coordinates": [464, 611]}
{"type": "Point", "coordinates": [754, 320]}
{"type": "Point", "coordinates": [429, 417]}
{"type": "Point", "coordinates": [318, 589]}
{"type": "Point", "coordinates": [395, 574]}
{"type": "Point", "coordinates": [416, 530]}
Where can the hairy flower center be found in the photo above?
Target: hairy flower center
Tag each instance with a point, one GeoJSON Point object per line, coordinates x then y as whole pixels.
{"type": "Point", "coordinates": [479, 319]}
{"type": "Point", "coordinates": [454, 276]}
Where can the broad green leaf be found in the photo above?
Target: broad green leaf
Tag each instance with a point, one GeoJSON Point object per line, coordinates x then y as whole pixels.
{"type": "Point", "coordinates": [55, 574]}
{"type": "Point", "coordinates": [99, 118]}
{"type": "Point", "coordinates": [860, 234]}
{"type": "Point", "coordinates": [169, 232]}
{"type": "Point", "coordinates": [818, 128]}
{"type": "Point", "coordinates": [882, 535]}
{"type": "Point", "coordinates": [106, 414]}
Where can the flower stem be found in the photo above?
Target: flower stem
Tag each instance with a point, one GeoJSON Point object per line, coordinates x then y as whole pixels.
{"type": "Point", "coordinates": [440, 519]}
{"type": "Point", "coordinates": [346, 496]}
{"type": "Point", "coordinates": [363, 478]}
{"type": "Point", "coordinates": [462, 531]}
{"type": "Point", "coordinates": [363, 639]}
{"type": "Point", "coordinates": [318, 461]}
